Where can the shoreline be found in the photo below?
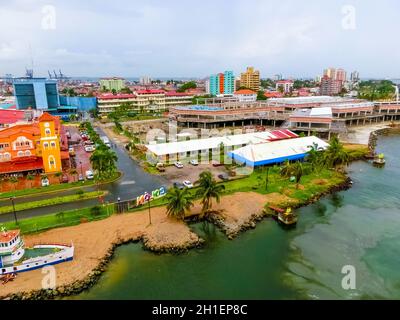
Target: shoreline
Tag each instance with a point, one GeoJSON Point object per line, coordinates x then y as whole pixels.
{"type": "Point", "coordinates": [157, 238]}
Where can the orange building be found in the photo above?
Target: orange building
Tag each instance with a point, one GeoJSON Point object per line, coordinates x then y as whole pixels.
{"type": "Point", "coordinates": [40, 145]}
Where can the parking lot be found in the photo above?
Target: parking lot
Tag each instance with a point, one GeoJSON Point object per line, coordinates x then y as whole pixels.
{"type": "Point", "coordinates": [190, 172]}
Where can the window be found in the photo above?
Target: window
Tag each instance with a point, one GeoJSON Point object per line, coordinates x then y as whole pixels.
{"type": "Point", "coordinates": [46, 145]}
{"type": "Point", "coordinates": [20, 154]}
{"type": "Point", "coordinates": [52, 162]}
{"type": "Point", "coordinates": [28, 153]}
{"type": "Point", "coordinates": [53, 144]}
{"type": "Point", "coordinates": [3, 270]}
{"type": "Point", "coordinates": [47, 131]}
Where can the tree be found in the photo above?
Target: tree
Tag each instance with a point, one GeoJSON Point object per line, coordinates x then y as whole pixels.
{"type": "Point", "coordinates": [186, 86]}
{"type": "Point", "coordinates": [73, 172]}
{"type": "Point", "coordinates": [58, 175]}
{"type": "Point", "coordinates": [286, 169]}
{"type": "Point", "coordinates": [179, 202]}
{"type": "Point", "coordinates": [261, 96]}
{"type": "Point", "coordinates": [315, 157]}
{"type": "Point", "coordinates": [208, 189]}
{"type": "Point", "coordinates": [103, 161]}
{"type": "Point", "coordinates": [298, 172]}
{"type": "Point", "coordinates": [30, 177]}
{"type": "Point", "coordinates": [336, 155]}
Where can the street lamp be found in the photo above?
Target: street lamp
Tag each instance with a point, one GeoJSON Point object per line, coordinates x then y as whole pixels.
{"type": "Point", "coordinates": [80, 162]}
{"type": "Point", "coordinates": [15, 215]}
{"type": "Point", "coordinates": [149, 213]}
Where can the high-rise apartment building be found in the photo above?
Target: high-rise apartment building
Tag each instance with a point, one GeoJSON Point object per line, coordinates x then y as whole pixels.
{"type": "Point", "coordinates": [355, 76]}
{"type": "Point", "coordinates": [145, 80]}
{"type": "Point", "coordinates": [250, 79]}
{"type": "Point", "coordinates": [341, 75]}
{"type": "Point", "coordinates": [112, 84]}
{"type": "Point", "coordinates": [329, 86]}
{"type": "Point", "coordinates": [222, 83]}
{"type": "Point", "coordinates": [330, 72]}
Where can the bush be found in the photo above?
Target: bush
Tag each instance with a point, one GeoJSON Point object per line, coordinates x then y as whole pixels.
{"type": "Point", "coordinates": [95, 211]}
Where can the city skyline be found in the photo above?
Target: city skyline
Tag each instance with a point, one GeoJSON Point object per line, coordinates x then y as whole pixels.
{"type": "Point", "coordinates": [133, 39]}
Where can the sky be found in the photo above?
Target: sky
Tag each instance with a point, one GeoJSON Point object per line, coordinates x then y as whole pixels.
{"type": "Point", "coordinates": [178, 38]}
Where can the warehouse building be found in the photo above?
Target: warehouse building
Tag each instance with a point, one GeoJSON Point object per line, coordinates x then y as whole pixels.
{"type": "Point", "coordinates": [276, 151]}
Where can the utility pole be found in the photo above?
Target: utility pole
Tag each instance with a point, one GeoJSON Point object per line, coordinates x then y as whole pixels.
{"type": "Point", "coordinates": [15, 214]}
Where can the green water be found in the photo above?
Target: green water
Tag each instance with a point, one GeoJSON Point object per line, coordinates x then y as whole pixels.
{"type": "Point", "coordinates": [358, 227]}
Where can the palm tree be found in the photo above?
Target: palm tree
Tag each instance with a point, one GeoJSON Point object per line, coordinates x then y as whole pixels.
{"type": "Point", "coordinates": [73, 172]}
{"type": "Point", "coordinates": [30, 177]}
{"type": "Point", "coordinates": [315, 157]}
{"type": "Point", "coordinates": [286, 169]}
{"type": "Point", "coordinates": [208, 189]}
{"type": "Point", "coordinates": [336, 155]}
{"type": "Point", "coordinates": [179, 202]}
{"type": "Point", "coordinates": [103, 161]}
{"type": "Point", "coordinates": [298, 172]}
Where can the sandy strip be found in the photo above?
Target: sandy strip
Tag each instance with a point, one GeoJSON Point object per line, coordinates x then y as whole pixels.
{"type": "Point", "coordinates": [93, 240]}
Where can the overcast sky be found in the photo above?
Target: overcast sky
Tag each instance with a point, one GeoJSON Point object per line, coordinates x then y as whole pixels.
{"type": "Point", "coordinates": [178, 38]}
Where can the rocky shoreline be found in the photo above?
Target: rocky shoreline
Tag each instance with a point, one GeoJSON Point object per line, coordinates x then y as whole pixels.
{"type": "Point", "coordinates": [79, 286]}
{"type": "Point", "coordinates": [158, 246]}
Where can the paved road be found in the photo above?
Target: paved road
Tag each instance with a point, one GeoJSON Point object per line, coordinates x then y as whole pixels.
{"type": "Point", "coordinates": [134, 182]}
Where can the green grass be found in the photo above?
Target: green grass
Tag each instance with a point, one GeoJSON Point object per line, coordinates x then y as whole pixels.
{"type": "Point", "coordinates": [54, 188]}
{"type": "Point", "coordinates": [257, 182]}
{"type": "Point", "coordinates": [51, 201]}
{"type": "Point", "coordinates": [61, 219]}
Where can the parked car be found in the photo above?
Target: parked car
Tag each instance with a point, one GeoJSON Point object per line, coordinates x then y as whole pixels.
{"type": "Point", "coordinates": [194, 162]}
{"type": "Point", "coordinates": [81, 178]}
{"type": "Point", "coordinates": [179, 185]}
{"type": "Point", "coordinates": [188, 184]}
{"type": "Point", "coordinates": [160, 167]}
{"type": "Point", "coordinates": [64, 179]}
{"type": "Point", "coordinates": [71, 151]}
{"type": "Point", "coordinates": [89, 175]}
{"type": "Point", "coordinates": [45, 182]}
{"type": "Point", "coordinates": [223, 177]}
{"type": "Point", "coordinates": [178, 164]}
{"type": "Point", "coordinates": [89, 148]}
{"type": "Point", "coordinates": [216, 163]}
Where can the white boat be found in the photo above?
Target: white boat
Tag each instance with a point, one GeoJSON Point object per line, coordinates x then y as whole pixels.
{"type": "Point", "coordinates": [12, 254]}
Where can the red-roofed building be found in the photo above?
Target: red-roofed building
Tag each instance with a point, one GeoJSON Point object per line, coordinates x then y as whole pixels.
{"type": "Point", "coordinates": [245, 95]}
{"type": "Point", "coordinates": [8, 117]}
{"type": "Point", "coordinates": [33, 146]}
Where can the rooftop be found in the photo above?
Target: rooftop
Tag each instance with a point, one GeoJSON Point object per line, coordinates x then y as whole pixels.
{"type": "Point", "coordinates": [245, 91]}
{"type": "Point", "coordinates": [214, 142]}
{"type": "Point", "coordinates": [7, 236]}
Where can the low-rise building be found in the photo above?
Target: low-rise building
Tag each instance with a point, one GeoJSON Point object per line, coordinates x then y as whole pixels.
{"type": "Point", "coordinates": [245, 95]}
{"type": "Point", "coordinates": [149, 100]}
{"type": "Point", "coordinates": [285, 86]}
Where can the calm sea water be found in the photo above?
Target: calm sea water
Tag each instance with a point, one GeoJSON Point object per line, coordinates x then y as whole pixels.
{"type": "Point", "coordinates": [358, 227]}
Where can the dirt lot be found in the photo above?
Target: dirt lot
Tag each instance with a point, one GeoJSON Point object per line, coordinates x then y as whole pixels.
{"type": "Point", "coordinates": [191, 173]}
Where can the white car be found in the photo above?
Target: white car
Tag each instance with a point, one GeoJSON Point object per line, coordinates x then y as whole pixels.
{"type": "Point", "coordinates": [178, 164]}
{"type": "Point", "coordinates": [89, 148]}
{"type": "Point", "coordinates": [194, 162]}
{"type": "Point", "coordinates": [45, 182]}
{"type": "Point", "coordinates": [89, 175]}
{"type": "Point", "coordinates": [188, 184]}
